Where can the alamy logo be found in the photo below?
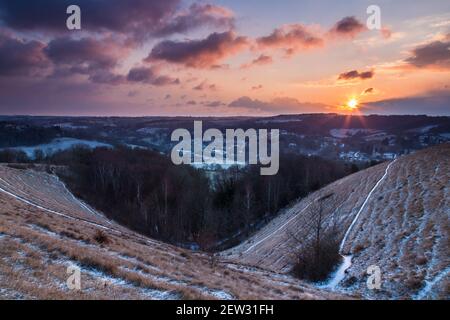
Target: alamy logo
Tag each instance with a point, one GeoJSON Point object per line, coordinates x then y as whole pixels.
{"type": "Point", "coordinates": [74, 280]}
{"type": "Point", "coordinates": [374, 279]}
{"type": "Point", "coordinates": [233, 152]}
{"type": "Point", "coordinates": [374, 19]}
{"type": "Point", "coordinates": [73, 22]}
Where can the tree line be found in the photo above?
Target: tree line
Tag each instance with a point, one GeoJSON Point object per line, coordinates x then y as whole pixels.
{"type": "Point", "coordinates": [13, 135]}
{"type": "Point", "coordinates": [184, 205]}
{"type": "Point", "coordinates": [208, 209]}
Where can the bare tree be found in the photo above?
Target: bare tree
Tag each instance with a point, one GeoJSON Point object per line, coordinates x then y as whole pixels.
{"type": "Point", "coordinates": [317, 246]}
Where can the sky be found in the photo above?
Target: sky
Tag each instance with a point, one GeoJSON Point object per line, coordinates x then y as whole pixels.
{"type": "Point", "coordinates": [224, 58]}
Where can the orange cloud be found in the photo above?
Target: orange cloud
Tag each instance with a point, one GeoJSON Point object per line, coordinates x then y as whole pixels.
{"type": "Point", "coordinates": [204, 53]}
{"type": "Point", "coordinates": [292, 38]}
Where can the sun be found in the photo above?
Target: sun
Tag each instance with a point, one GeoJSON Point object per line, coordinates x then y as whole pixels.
{"type": "Point", "coordinates": [352, 103]}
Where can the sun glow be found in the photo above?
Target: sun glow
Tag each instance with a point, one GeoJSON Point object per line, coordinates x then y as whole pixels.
{"type": "Point", "coordinates": [352, 103]}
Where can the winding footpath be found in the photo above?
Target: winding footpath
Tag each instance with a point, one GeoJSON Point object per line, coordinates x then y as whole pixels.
{"type": "Point", "coordinates": [340, 273]}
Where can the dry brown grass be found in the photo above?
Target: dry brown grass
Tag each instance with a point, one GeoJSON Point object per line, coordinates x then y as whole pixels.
{"type": "Point", "coordinates": [136, 264]}
{"type": "Point", "coordinates": [404, 228]}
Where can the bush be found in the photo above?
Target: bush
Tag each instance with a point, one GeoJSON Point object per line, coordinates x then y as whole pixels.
{"type": "Point", "coordinates": [414, 282]}
{"type": "Point", "coordinates": [101, 237]}
{"type": "Point", "coordinates": [316, 261]}
{"type": "Point", "coordinates": [358, 248]}
{"type": "Point", "coordinates": [421, 260]}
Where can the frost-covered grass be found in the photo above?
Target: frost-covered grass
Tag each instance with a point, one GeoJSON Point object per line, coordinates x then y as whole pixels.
{"type": "Point", "coordinates": [404, 227]}
{"type": "Point", "coordinates": [40, 218]}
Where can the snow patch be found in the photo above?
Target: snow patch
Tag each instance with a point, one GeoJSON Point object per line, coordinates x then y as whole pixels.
{"type": "Point", "coordinates": [346, 133]}
{"type": "Point", "coordinates": [219, 294]}
{"type": "Point", "coordinates": [339, 274]}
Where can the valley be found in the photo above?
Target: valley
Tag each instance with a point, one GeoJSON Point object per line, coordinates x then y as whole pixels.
{"type": "Point", "coordinates": [394, 215]}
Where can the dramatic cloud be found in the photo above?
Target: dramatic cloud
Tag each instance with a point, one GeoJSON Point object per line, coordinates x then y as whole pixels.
{"type": "Point", "coordinates": [18, 57]}
{"type": "Point", "coordinates": [86, 53]}
{"type": "Point", "coordinates": [348, 27]}
{"type": "Point", "coordinates": [95, 58]}
{"type": "Point", "coordinates": [62, 57]}
{"type": "Point", "coordinates": [199, 53]}
{"type": "Point", "coordinates": [355, 74]}
{"type": "Point", "coordinates": [196, 16]}
{"type": "Point", "coordinates": [279, 106]}
{"type": "Point", "coordinates": [150, 76]}
{"type": "Point", "coordinates": [134, 17]}
{"type": "Point", "coordinates": [292, 38]}
{"type": "Point", "coordinates": [434, 103]}
{"type": "Point", "coordinates": [434, 54]}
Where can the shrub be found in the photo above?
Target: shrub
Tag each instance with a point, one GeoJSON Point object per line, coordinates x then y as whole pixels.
{"type": "Point", "coordinates": [358, 248]}
{"type": "Point", "coordinates": [421, 260]}
{"type": "Point", "coordinates": [101, 237]}
{"type": "Point", "coordinates": [414, 283]}
{"type": "Point", "coordinates": [316, 261]}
